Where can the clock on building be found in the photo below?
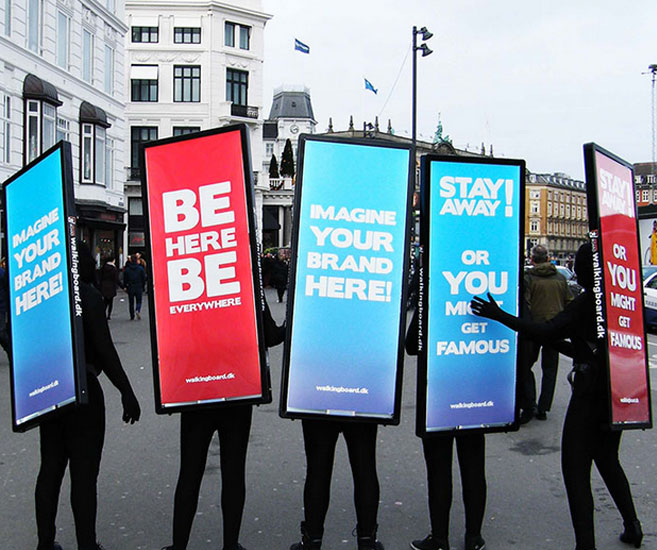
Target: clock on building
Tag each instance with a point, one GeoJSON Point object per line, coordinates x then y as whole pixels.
{"type": "Point", "coordinates": [294, 128]}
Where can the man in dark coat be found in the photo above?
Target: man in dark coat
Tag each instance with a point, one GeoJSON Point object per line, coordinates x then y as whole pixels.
{"type": "Point", "coordinates": [134, 281]}
{"type": "Point", "coordinates": [546, 294]}
{"type": "Point", "coordinates": [109, 282]}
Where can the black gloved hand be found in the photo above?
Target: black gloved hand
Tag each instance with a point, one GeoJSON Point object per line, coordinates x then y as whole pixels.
{"type": "Point", "coordinates": [131, 409]}
{"type": "Point", "coordinates": [484, 308]}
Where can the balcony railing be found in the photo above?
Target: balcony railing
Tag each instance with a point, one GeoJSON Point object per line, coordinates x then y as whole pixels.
{"type": "Point", "coordinates": [244, 111]}
{"type": "Point", "coordinates": [276, 184]}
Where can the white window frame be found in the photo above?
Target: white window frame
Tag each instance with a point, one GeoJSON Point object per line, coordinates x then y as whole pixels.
{"type": "Point", "coordinates": [645, 195]}
{"type": "Point", "coordinates": [109, 69]}
{"type": "Point", "coordinates": [100, 138]}
{"type": "Point", "coordinates": [87, 56]}
{"type": "Point", "coordinates": [269, 150]}
{"type": "Point", "coordinates": [63, 132]}
{"type": "Point", "coordinates": [534, 226]}
{"type": "Point", "coordinates": [5, 128]}
{"type": "Point", "coordinates": [87, 152]}
{"type": "Point", "coordinates": [109, 162]}
{"type": "Point", "coordinates": [49, 126]}
{"type": "Point", "coordinates": [32, 129]}
{"type": "Point", "coordinates": [63, 39]}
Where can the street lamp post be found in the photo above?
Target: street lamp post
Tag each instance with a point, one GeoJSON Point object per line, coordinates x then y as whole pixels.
{"type": "Point", "coordinates": [425, 34]}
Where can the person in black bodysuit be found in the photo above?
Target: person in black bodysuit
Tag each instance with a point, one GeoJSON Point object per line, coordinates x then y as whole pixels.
{"type": "Point", "coordinates": [438, 452]}
{"type": "Point", "coordinates": [586, 435]}
{"type": "Point", "coordinates": [197, 428]}
{"type": "Point", "coordinates": [320, 438]}
{"type": "Point", "coordinates": [76, 438]}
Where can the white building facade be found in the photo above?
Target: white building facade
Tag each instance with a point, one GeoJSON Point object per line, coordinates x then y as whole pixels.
{"type": "Point", "coordinates": [290, 116]}
{"type": "Point", "coordinates": [62, 77]}
{"type": "Point", "coordinates": [191, 65]}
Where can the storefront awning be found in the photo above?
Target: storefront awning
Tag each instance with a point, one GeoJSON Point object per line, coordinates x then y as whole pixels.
{"type": "Point", "coordinates": [35, 88]}
{"type": "Point", "coordinates": [143, 72]}
{"type": "Point", "coordinates": [93, 115]}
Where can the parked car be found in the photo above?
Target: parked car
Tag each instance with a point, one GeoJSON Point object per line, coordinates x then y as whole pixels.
{"type": "Point", "coordinates": [648, 270]}
{"type": "Point", "coordinates": [571, 279]}
{"type": "Point", "coordinates": [650, 300]}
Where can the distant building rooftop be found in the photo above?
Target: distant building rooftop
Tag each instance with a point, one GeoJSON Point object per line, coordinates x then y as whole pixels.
{"type": "Point", "coordinates": [291, 104]}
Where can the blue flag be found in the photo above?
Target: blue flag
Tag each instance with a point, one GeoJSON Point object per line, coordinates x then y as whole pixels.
{"type": "Point", "coordinates": [368, 86]}
{"type": "Point", "coordinates": [300, 46]}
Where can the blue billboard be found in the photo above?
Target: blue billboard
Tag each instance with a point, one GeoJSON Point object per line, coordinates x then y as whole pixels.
{"type": "Point", "coordinates": [472, 216]}
{"type": "Point", "coordinates": [344, 353]}
{"type": "Point", "coordinates": [44, 302]}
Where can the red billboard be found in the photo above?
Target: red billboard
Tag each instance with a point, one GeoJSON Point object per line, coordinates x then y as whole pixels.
{"type": "Point", "coordinates": [619, 292]}
{"type": "Point", "coordinates": [206, 316]}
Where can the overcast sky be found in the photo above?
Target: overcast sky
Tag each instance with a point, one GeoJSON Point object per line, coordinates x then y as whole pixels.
{"type": "Point", "coordinates": [535, 79]}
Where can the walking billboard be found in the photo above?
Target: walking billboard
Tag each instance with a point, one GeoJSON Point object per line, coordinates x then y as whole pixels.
{"type": "Point", "coordinates": [618, 290]}
{"type": "Point", "coordinates": [472, 230]}
{"type": "Point", "coordinates": [45, 312]}
{"type": "Point", "coordinates": [346, 303]}
{"type": "Point", "coordinates": [204, 279]}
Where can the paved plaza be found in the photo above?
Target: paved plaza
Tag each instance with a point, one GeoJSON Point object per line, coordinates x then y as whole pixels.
{"type": "Point", "coordinates": [526, 509]}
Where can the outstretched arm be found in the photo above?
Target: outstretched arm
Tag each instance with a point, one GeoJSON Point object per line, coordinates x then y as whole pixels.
{"type": "Point", "coordinates": [551, 332]}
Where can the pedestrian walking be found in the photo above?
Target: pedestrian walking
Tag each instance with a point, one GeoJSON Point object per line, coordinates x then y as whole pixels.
{"type": "Point", "coordinates": [546, 294]}
{"type": "Point", "coordinates": [279, 272]}
{"type": "Point", "coordinates": [586, 434]}
{"type": "Point", "coordinates": [197, 428]}
{"type": "Point", "coordinates": [4, 308]}
{"type": "Point", "coordinates": [109, 282]}
{"type": "Point", "coordinates": [438, 453]}
{"type": "Point", "coordinates": [75, 438]}
{"type": "Point", "coordinates": [134, 281]}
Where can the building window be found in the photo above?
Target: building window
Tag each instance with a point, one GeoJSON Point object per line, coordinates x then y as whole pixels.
{"type": "Point", "coordinates": [534, 194]}
{"type": "Point", "coordinates": [229, 34]}
{"type": "Point", "coordinates": [568, 211]}
{"type": "Point", "coordinates": [533, 226]}
{"type": "Point", "coordinates": [549, 208]}
{"type": "Point", "coordinates": [244, 35]}
{"type": "Point", "coordinates": [87, 152]}
{"type": "Point", "coordinates": [87, 55]}
{"type": "Point", "coordinates": [49, 126]}
{"type": "Point", "coordinates": [63, 130]}
{"type": "Point", "coordinates": [5, 129]}
{"type": "Point", "coordinates": [34, 25]}
{"type": "Point", "coordinates": [645, 195]}
{"type": "Point", "coordinates": [33, 130]}
{"type": "Point", "coordinates": [99, 150]}
{"type": "Point", "coordinates": [109, 163]}
{"type": "Point", "coordinates": [534, 207]}
{"type": "Point", "coordinates": [8, 17]}
{"type": "Point", "coordinates": [237, 84]}
{"type": "Point", "coordinates": [184, 130]}
{"type": "Point", "coordinates": [143, 90]}
{"type": "Point", "coordinates": [63, 39]}
{"type": "Point", "coordinates": [269, 150]}
{"type": "Point", "coordinates": [561, 209]}
{"type": "Point", "coordinates": [187, 35]}
{"type": "Point", "coordinates": [145, 34]}
{"type": "Point", "coordinates": [139, 135]}
{"type": "Point", "coordinates": [135, 206]}
{"type": "Point", "coordinates": [109, 70]}
{"type": "Point", "coordinates": [187, 83]}
{"type": "Point", "coordinates": [97, 155]}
